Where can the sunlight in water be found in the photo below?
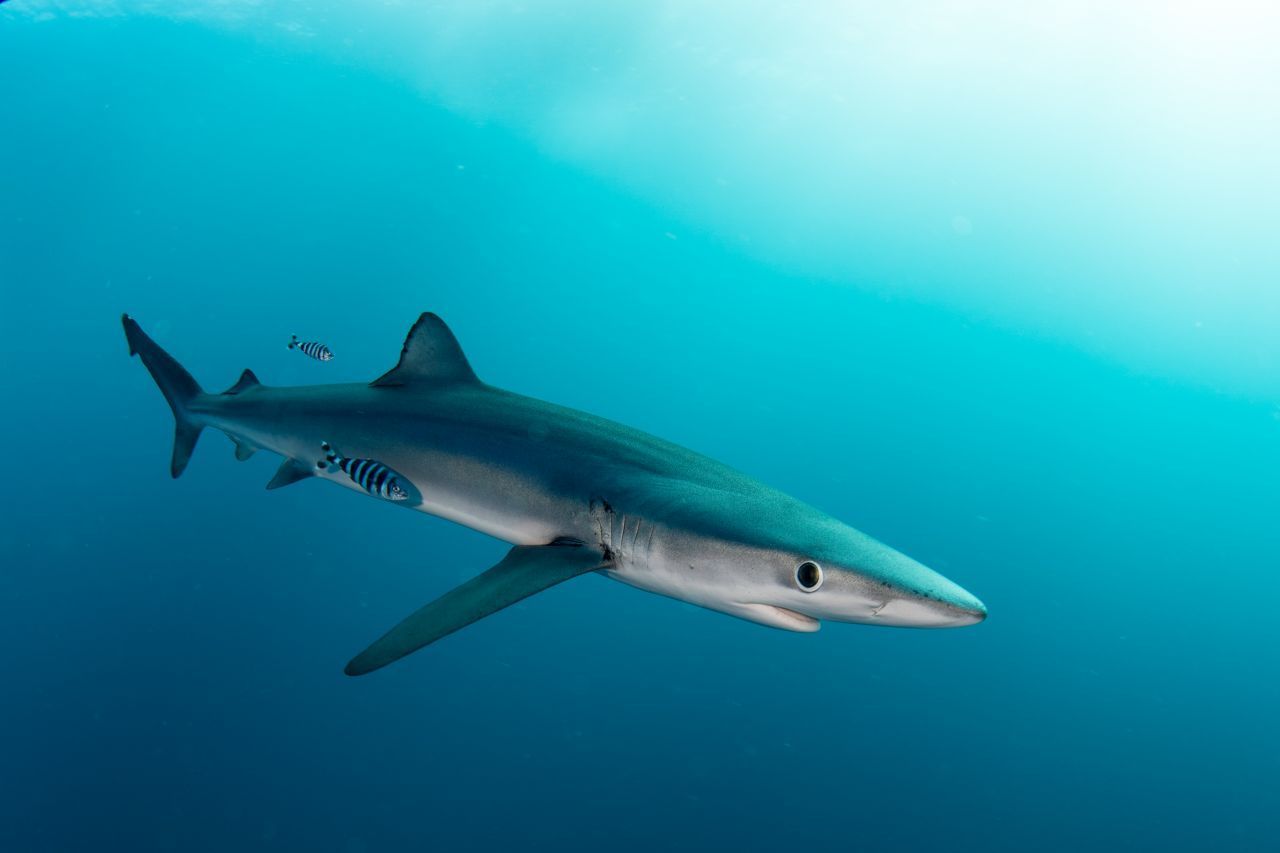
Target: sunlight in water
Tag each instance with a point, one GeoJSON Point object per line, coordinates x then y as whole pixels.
{"type": "Point", "coordinates": [1100, 172]}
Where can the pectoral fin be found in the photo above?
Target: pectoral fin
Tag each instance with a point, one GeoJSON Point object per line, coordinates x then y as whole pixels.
{"type": "Point", "coordinates": [527, 569]}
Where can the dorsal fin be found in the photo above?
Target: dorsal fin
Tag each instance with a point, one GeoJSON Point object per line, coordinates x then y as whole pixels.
{"type": "Point", "coordinates": [247, 380]}
{"type": "Point", "coordinates": [431, 354]}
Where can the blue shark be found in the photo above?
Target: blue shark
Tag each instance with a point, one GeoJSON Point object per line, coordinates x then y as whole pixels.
{"type": "Point", "coordinates": [573, 494]}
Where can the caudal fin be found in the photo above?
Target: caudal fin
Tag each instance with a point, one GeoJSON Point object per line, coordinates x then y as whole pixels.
{"type": "Point", "coordinates": [178, 387]}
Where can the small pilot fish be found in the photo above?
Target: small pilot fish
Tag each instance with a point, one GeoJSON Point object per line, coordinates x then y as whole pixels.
{"type": "Point", "coordinates": [315, 349]}
{"type": "Point", "coordinates": [369, 474]}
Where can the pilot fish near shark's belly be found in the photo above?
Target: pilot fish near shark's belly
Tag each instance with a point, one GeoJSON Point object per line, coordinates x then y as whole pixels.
{"type": "Point", "coordinates": [371, 475]}
{"type": "Point", "coordinates": [574, 493]}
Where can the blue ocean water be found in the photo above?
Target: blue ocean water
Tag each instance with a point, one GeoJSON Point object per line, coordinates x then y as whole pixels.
{"type": "Point", "coordinates": [1024, 336]}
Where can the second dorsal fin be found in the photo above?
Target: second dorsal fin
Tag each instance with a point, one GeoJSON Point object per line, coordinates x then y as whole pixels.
{"type": "Point", "coordinates": [430, 354]}
{"type": "Point", "coordinates": [247, 380]}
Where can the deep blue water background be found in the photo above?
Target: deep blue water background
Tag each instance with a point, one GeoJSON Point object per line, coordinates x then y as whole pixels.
{"type": "Point", "coordinates": [173, 649]}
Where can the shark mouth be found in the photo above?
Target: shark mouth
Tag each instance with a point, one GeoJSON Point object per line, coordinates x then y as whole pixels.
{"type": "Point", "coordinates": [777, 617]}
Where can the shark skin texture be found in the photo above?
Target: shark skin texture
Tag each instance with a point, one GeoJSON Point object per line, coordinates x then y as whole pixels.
{"type": "Point", "coordinates": [573, 493]}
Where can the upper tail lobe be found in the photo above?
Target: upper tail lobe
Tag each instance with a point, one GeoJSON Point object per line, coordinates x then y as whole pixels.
{"type": "Point", "coordinates": [178, 387]}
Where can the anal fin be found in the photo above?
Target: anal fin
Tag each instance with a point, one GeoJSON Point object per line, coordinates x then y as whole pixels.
{"type": "Point", "coordinates": [289, 472]}
{"type": "Point", "coordinates": [525, 571]}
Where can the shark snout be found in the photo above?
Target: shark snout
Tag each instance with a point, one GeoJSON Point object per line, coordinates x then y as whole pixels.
{"type": "Point", "coordinates": [972, 614]}
{"type": "Point", "coordinates": [954, 609]}
{"type": "Point", "coordinates": [916, 596]}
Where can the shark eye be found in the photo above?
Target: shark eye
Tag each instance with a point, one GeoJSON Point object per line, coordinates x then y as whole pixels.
{"type": "Point", "coordinates": [809, 576]}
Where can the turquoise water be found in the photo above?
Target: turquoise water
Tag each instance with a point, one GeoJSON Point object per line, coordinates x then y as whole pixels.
{"type": "Point", "coordinates": [998, 288]}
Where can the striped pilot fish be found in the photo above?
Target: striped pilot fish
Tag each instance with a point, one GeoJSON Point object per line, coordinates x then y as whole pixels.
{"type": "Point", "coordinates": [369, 474]}
{"type": "Point", "coordinates": [315, 349]}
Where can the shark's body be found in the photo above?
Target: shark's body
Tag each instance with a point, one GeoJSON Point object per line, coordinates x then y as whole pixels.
{"type": "Point", "coordinates": [572, 491]}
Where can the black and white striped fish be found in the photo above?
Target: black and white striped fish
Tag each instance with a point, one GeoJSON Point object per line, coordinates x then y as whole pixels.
{"type": "Point", "coordinates": [315, 349]}
{"type": "Point", "coordinates": [369, 474]}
